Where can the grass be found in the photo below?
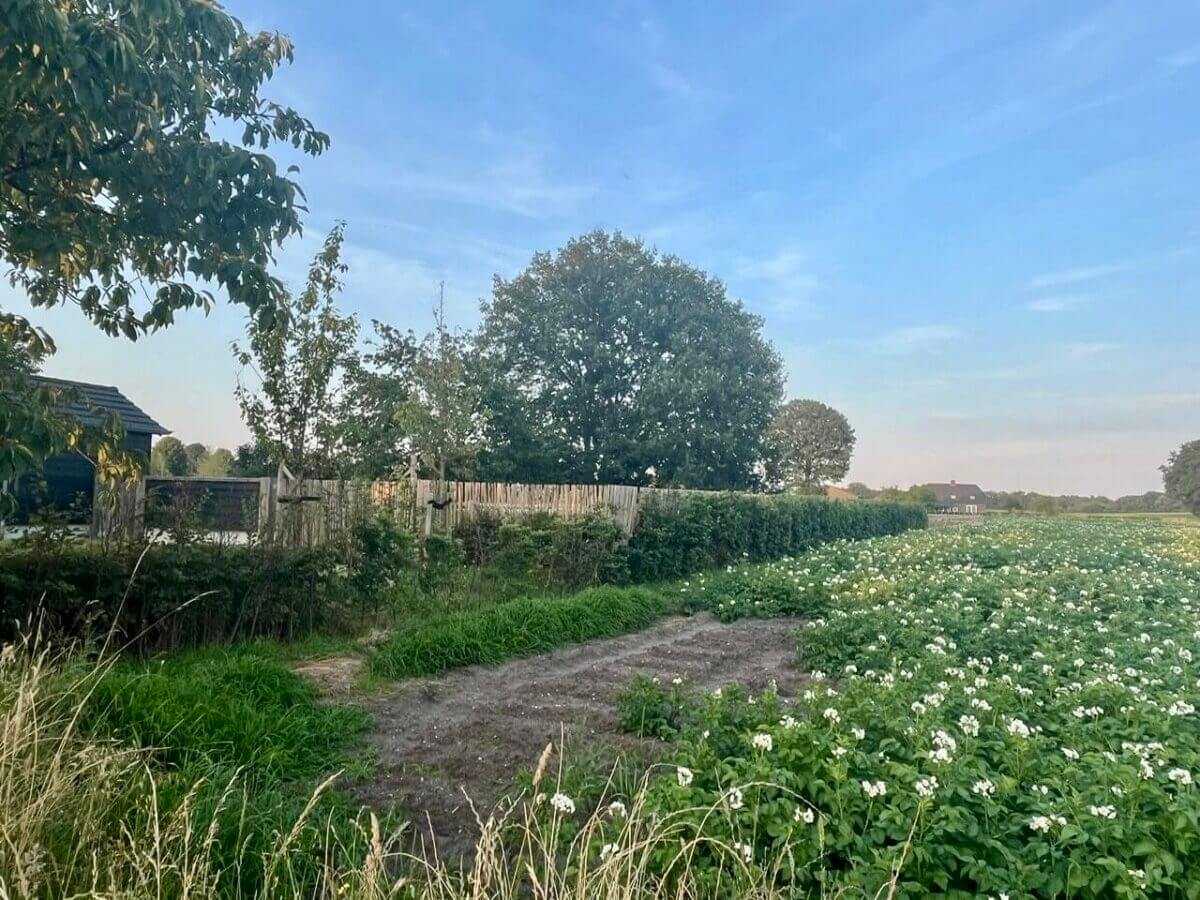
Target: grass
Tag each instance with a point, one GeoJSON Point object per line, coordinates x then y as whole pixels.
{"type": "Point", "coordinates": [237, 707]}
{"type": "Point", "coordinates": [517, 628]}
{"type": "Point", "coordinates": [220, 747]}
{"type": "Point", "coordinates": [102, 799]}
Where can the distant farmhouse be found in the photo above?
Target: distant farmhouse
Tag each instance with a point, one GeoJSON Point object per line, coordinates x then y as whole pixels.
{"type": "Point", "coordinates": [964, 499]}
{"type": "Point", "coordinates": [67, 482]}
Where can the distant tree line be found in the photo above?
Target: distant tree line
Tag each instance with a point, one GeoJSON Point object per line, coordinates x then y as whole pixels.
{"type": "Point", "coordinates": [1029, 501]}
{"type": "Point", "coordinates": [606, 362]}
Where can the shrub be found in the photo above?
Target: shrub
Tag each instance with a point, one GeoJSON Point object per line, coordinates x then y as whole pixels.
{"type": "Point", "coordinates": [517, 628]}
{"type": "Point", "coordinates": [479, 536]}
{"type": "Point", "coordinates": [168, 595]}
{"type": "Point", "coordinates": [679, 534]}
{"type": "Point", "coordinates": [383, 551]}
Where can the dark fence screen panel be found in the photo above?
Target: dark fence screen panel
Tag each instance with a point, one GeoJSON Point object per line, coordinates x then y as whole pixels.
{"type": "Point", "coordinates": [214, 504]}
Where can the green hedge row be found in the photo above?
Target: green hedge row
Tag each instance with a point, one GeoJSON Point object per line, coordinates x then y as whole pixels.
{"type": "Point", "coordinates": [514, 629]}
{"type": "Point", "coordinates": [680, 534]}
{"type": "Point", "coordinates": [169, 595]}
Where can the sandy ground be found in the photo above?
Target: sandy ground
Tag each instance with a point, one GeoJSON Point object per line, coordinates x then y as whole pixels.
{"type": "Point", "coordinates": [471, 731]}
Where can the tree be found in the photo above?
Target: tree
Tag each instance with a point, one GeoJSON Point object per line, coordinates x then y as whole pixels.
{"type": "Point", "coordinates": [861, 491]}
{"type": "Point", "coordinates": [300, 359]}
{"type": "Point", "coordinates": [442, 412]}
{"type": "Point", "coordinates": [197, 453]}
{"type": "Point", "coordinates": [112, 186]}
{"type": "Point", "coordinates": [615, 363]}
{"type": "Point", "coordinates": [169, 457]}
{"type": "Point", "coordinates": [373, 439]}
{"type": "Point", "coordinates": [810, 444]}
{"type": "Point", "coordinates": [1181, 476]}
{"type": "Point", "coordinates": [215, 464]}
{"type": "Point", "coordinates": [253, 460]}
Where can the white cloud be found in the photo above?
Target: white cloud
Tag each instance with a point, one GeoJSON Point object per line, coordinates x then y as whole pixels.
{"type": "Point", "coordinates": [1086, 349]}
{"type": "Point", "coordinates": [1073, 276]}
{"type": "Point", "coordinates": [1055, 303]}
{"type": "Point", "coordinates": [1183, 59]}
{"type": "Point", "coordinates": [911, 339]}
{"type": "Point", "coordinates": [784, 281]}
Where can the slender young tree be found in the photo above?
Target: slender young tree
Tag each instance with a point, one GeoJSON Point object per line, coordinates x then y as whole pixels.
{"type": "Point", "coordinates": [299, 360]}
{"type": "Point", "coordinates": [442, 413]}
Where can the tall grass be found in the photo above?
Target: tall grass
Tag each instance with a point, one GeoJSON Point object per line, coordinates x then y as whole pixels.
{"type": "Point", "coordinates": [84, 815]}
{"type": "Point", "coordinates": [514, 629]}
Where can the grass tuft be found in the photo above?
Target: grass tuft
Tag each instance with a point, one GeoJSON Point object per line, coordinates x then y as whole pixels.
{"type": "Point", "coordinates": [515, 629]}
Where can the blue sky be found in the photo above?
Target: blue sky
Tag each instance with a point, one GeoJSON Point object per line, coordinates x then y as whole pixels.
{"type": "Point", "coordinates": [973, 227]}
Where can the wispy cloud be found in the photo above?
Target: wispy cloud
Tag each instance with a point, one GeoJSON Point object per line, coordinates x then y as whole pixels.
{"type": "Point", "coordinates": [1074, 276]}
{"type": "Point", "coordinates": [910, 339]}
{"type": "Point", "coordinates": [510, 174]}
{"type": "Point", "coordinates": [783, 281]}
{"type": "Point", "coordinates": [1056, 303]}
{"type": "Point", "coordinates": [1183, 59]}
{"type": "Point", "coordinates": [1087, 349]}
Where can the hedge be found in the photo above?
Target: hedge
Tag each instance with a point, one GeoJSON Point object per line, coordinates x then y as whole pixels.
{"type": "Point", "coordinates": [680, 534]}
{"type": "Point", "coordinates": [169, 595]}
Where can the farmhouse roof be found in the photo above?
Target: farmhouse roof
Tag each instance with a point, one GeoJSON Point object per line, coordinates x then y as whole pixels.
{"type": "Point", "coordinates": [956, 490]}
{"type": "Point", "coordinates": [95, 401]}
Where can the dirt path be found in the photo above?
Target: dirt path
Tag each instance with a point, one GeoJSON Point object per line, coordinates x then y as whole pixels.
{"type": "Point", "coordinates": [472, 730]}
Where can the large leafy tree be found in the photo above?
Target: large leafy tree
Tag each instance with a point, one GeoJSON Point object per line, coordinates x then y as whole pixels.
{"type": "Point", "coordinates": [115, 196]}
{"type": "Point", "coordinates": [300, 360]}
{"type": "Point", "coordinates": [615, 363]}
{"type": "Point", "coordinates": [810, 445]}
{"type": "Point", "coordinates": [1181, 476]}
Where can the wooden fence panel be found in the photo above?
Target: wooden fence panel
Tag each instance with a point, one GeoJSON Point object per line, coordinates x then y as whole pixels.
{"type": "Point", "coordinates": [314, 512]}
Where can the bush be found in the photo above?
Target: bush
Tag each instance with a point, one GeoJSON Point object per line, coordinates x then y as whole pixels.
{"type": "Point", "coordinates": [169, 595]}
{"type": "Point", "coordinates": [517, 628]}
{"type": "Point", "coordinates": [679, 534]}
{"type": "Point", "coordinates": [383, 552]}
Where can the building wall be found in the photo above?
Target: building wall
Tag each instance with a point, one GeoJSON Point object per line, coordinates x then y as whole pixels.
{"type": "Point", "coordinates": [67, 484]}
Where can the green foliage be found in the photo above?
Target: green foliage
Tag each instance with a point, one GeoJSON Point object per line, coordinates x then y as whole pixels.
{"type": "Point", "coordinates": [679, 535]}
{"type": "Point", "coordinates": [169, 457]}
{"type": "Point", "coordinates": [1014, 713]}
{"type": "Point", "coordinates": [170, 595]}
{"type": "Point", "coordinates": [254, 460]}
{"type": "Point", "coordinates": [1181, 476]}
{"type": "Point", "coordinates": [110, 175]}
{"type": "Point", "coordinates": [762, 592]}
{"type": "Point", "coordinates": [647, 709]}
{"type": "Point", "coordinates": [215, 463]}
{"type": "Point", "coordinates": [613, 363]}
{"type": "Point", "coordinates": [809, 444]}
{"type": "Point", "coordinates": [517, 628]}
{"type": "Point", "coordinates": [209, 716]}
{"type": "Point", "coordinates": [374, 443]}
{"type": "Point", "coordinates": [383, 553]}
{"type": "Point", "coordinates": [300, 360]}
{"type": "Point", "coordinates": [113, 188]}
{"type": "Point", "coordinates": [441, 414]}
{"type": "Point", "coordinates": [229, 706]}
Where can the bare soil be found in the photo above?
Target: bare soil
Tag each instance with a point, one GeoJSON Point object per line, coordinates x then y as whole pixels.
{"type": "Point", "coordinates": [468, 733]}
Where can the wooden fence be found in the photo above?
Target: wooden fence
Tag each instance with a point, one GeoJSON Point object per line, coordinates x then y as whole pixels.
{"type": "Point", "coordinates": [313, 512]}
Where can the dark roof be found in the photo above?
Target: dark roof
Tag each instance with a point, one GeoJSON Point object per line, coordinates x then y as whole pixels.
{"type": "Point", "coordinates": [96, 401]}
{"type": "Point", "coordinates": [962, 490]}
